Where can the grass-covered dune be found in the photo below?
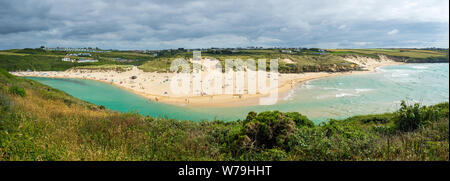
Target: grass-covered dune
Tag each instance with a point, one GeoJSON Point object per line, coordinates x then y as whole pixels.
{"type": "Point", "coordinates": [399, 54]}
{"type": "Point", "coordinates": [297, 64]}
{"type": "Point", "coordinates": [38, 122]}
{"type": "Point", "coordinates": [291, 60]}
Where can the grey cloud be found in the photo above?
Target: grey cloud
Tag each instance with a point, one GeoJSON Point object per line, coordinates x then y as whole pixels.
{"type": "Point", "coordinates": [161, 24]}
{"type": "Point", "coordinates": [16, 19]}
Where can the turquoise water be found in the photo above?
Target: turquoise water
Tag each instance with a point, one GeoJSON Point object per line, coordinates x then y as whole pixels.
{"type": "Point", "coordinates": [334, 97]}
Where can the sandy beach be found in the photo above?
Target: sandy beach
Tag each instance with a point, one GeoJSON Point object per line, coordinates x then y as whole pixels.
{"type": "Point", "coordinates": [156, 86]}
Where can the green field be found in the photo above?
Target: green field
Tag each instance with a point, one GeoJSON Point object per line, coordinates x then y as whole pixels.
{"type": "Point", "coordinates": [303, 60]}
{"type": "Point", "coordinates": [404, 54]}
{"type": "Point", "coordinates": [38, 122]}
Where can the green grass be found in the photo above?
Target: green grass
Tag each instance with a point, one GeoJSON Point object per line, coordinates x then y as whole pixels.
{"type": "Point", "coordinates": [158, 65]}
{"type": "Point", "coordinates": [304, 60]}
{"type": "Point", "coordinates": [42, 60]}
{"type": "Point", "coordinates": [11, 53]}
{"type": "Point", "coordinates": [408, 55]}
{"type": "Point", "coordinates": [301, 63]}
{"type": "Point", "coordinates": [48, 124]}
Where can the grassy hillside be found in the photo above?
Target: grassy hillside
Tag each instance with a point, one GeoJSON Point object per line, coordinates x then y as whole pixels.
{"type": "Point", "coordinates": [300, 63]}
{"type": "Point", "coordinates": [38, 122]}
{"type": "Point", "coordinates": [43, 60]}
{"type": "Point", "coordinates": [300, 60]}
{"type": "Point", "coordinates": [407, 55]}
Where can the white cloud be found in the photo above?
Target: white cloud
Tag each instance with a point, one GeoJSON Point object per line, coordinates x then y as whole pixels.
{"type": "Point", "coordinates": [393, 32]}
{"type": "Point", "coordinates": [342, 27]}
{"type": "Point", "coordinates": [362, 44]}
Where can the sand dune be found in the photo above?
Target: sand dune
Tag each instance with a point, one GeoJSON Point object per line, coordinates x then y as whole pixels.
{"type": "Point", "coordinates": [156, 86]}
{"type": "Point", "coordinates": [371, 63]}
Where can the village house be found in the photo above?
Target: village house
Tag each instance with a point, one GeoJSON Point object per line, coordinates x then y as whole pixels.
{"type": "Point", "coordinates": [67, 59]}
{"type": "Point", "coordinates": [123, 60]}
{"type": "Point", "coordinates": [87, 61]}
{"type": "Point", "coordinates": [79, 54]}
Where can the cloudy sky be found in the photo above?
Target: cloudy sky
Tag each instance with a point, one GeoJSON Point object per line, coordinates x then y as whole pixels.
{"type": "Point", "coordinates": [161, 24]}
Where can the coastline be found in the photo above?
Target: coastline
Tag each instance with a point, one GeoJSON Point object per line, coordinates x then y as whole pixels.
{"type": "Point", "coordinates": [286, 83]}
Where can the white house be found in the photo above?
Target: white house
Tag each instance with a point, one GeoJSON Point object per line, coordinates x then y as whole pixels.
{"type": "Point", "coordinates": [87, 61]}
{"type": "Point", "coordinates": [67, 59]}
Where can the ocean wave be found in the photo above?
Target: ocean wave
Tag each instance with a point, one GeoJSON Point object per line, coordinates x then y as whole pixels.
{"type": "Point", "coordinates": [399, 74]}
{"type": "Point", "coordinates": [332, 88]}
{"type": "Point", "coordinates": [362, 90]}
{"type": "Point", "coordinates": [420, 67]}
{"type": "Point", "coordinates": [323, 96]}
{"type": "Point", "coordinates": [308, 86]}
{"type": "Point", "coordinates": [345, 95]}
{"type": "Point", "coordinates": [289, 96]}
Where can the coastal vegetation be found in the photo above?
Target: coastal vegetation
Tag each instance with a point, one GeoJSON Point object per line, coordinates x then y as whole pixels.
{"type": "Point", "coordinates": [38, 122]}
{"type": "Point", "coordinates": [292, 60]}
{"type": "Point", "coordinates": [287, 63]}
{"type": "Point", "coordinates": [37, 60]}
{"type": "Point", "coordinates": [404, 55]}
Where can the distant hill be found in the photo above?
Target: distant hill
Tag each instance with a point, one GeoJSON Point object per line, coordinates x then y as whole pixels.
{"type": "Point", "coordinates": [403, 55]}
{"type": "Point", "coordinates": [294, 60]}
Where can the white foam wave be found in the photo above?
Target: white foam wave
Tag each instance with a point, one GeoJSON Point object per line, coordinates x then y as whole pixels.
{"type": "Point", "coordinates": [331, 88]}
{"type": "Point", "coordinates": [308, 86]}
{"type": "Point", "coordinates": [362, 90]}
{"type": "Point", "coordinates": [419, 67]}
{"type": "Point", "coordinates": [289, 96]}
{"type": "Point", "coordinates": [399, 74]}
{"type": "Point", "coordinates": [345, 95]}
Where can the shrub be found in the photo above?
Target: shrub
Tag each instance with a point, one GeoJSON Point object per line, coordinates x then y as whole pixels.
{"type": "Point", "coordinates": [5, 73]}
{"type": "Point", "coordinates": [5, 102]}
{"type": "Point", "coordinates": [443, 109]}
{"type": "Point", "coordinates": [299, 119]}
{"type": "Point", "coordinates": [266, 130]}
{"type": "Point", "coordinates": [411, 117]}
{"type": "Point", "coordinates": [3, 88]}
{"type": "Point", "coordinates": [265, 155]}
{"type": "Point", "coordinates": [374, 119]}
{"type": "Point", "coordinates": [17, 91]}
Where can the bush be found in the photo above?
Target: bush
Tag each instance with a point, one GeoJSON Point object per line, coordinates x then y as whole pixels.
{"type": "Point", "coordinates": [265, 155]}
{"type": "Point", "coordinates": [17, 91]}
{"type": "Point", "coordinates": [411, 117]}
{"type": "Point", "coordinates": [443, 109]}
{"type": "Point", "coordinates": [3, 89]}
{"type": "Point", "coordinates": [373, 119]}
{"type": "Point", "coordinates": [299, 119]}
{"type": "Point", "coordinates": [5, 102]}
{"type": "Point", "coordinates": [5, 73]}
{"type": "Point", "coordinates": [267, 130]}
{"type": "Point", "coordinates": [5, 77]}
